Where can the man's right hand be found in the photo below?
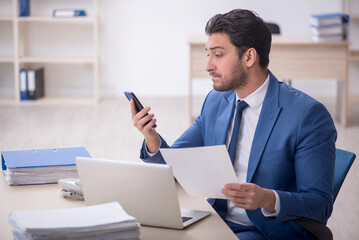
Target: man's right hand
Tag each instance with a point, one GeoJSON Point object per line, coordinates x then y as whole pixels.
{"type": "Point", "coordinates": [152, 139]}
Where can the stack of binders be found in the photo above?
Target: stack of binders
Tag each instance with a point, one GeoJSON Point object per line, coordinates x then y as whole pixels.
{"type": "Point", "coordinates": [104, 221]}
{"type": "Point", "coordinates": [329, 27]}
{"type": "Point", "coordinates": [40, 166]}
{"type": "Point", "coordinates": [31, 83]}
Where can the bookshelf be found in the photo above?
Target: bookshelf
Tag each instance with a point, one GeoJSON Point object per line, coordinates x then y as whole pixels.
{"type": "Point", "coordinates": [67, 48]}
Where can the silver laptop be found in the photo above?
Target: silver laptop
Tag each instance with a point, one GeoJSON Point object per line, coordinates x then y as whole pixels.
{"type": "Point", "coordinates": [146, 191]}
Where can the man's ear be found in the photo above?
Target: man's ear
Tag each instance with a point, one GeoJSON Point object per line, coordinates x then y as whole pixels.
{"type": "Point", "coordinates": [249, 57]}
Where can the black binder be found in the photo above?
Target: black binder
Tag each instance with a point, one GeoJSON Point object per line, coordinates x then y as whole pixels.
{"type": "Point", "coordinates": [35, 78]}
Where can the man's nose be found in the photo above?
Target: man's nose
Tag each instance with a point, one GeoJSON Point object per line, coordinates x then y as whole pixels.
{"type": "Point", "coordinates": [210, 67]}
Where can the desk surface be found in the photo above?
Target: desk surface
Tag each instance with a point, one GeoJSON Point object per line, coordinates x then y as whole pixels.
{"type": "Point", "coordinates": [48, 196]}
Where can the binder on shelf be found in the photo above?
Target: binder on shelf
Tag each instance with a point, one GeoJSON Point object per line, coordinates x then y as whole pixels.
{"type": "Point", "coordinates": [334, 38]}
{"type": "Point", "coordinates": [69, 13]}
{"type": "Point", "coordinates": [338, 29]}
{"type": "Point", "coordinates": [40, 166]}
{"type": "Point", "coordinates": [329, 27]}
{"type": "Point", "coordinates": [35, 78]}
{"type": "Point", "coordinates": [24, 94]}
{"type": "Point", "coordinates": [24, 8]}
{"type": "Point", "coordinates": [329, 19]}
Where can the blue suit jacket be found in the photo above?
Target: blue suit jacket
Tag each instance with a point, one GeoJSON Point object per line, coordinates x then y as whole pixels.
{"type": "Point", "coordinates": [293, 152]}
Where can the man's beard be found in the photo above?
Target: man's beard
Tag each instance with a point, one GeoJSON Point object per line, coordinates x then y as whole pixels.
{"type": "Point", "coordinates": [239, 79]}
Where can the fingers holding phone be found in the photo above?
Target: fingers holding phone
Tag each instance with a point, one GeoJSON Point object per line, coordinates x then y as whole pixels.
{"type": "Point", "coordinates": [143, 120]}
{"type": "Point", "coordinates": [137, 106]}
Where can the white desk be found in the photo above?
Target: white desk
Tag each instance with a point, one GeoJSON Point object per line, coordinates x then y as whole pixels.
{"type": "Point", "coordinates": [291, 58]}
{"type": "Point", "coordinates": [48, 197]}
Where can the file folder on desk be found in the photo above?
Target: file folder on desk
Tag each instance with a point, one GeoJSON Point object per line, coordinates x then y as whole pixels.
{"type": "Point", "coordinates": [41, 165]}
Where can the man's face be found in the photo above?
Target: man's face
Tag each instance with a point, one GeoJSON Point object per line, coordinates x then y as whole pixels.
{"type": "Point", "coordinates": [224, 65]}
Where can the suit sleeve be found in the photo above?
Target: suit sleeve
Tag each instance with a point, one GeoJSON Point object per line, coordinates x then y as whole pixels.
{"type": "Point", "coordinates": [314, 161]}
{"type": "Point", "coordinates": [192, 137]}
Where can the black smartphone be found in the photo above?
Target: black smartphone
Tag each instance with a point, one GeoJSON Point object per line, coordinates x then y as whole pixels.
{"type": "Point", "coordinates": [138, 105]}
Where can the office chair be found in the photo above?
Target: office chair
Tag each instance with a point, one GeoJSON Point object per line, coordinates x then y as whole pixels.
{"type": "Point", "coordinates": [273, 27]}
{"type": "Point", "coordinates": [343, 162]}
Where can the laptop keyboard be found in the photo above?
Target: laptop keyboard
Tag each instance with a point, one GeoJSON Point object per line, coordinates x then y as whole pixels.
{"type": "Point", "coordinates": [185, 219]}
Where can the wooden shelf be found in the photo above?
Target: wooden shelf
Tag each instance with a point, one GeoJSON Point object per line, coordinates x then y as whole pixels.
{"type": "Point", "coordinates": [58, 100]}
{"type": "Point", "coordinates": [57, 59]}
{"type": "Point", "coordinates": [354, 55]}
{"type": "Point", "coordinates": [6, 59]}
{"type": "Point", "coordinates": [354, 16]}
{"type": "Point", "coordinates": [7, 101]}
{"type": "Point", "coordinates": [6, 18]}
{"type": "Point", "coordinates": [50, 19]}
{"type": "Point", "coordinates": [52, 101]}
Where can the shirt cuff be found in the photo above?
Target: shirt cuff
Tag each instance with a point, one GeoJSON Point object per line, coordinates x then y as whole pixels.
{"type": "Point", "coordinates": [152, 154]}
{"type": "Point", "coordinates": [276, 207]}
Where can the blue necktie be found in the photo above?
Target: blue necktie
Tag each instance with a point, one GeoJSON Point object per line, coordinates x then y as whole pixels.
{"type": "Point", "coordinates": [241, 105]}
{"type": "Point", "coordinates": [220, 205]}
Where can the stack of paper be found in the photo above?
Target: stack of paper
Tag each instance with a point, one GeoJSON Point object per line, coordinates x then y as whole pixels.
{"type": "Point", "coordinates": [329, 27]}
{"type": "Point", "coordinates": [39, 175]}
{"type": "Point", "coordinates": [105, 221]}
{"type": "Point", "coordinates": [40, 166]}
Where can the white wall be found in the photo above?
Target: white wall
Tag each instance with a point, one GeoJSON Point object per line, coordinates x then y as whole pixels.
{"type": "Point", "coordinates": [144, 43]}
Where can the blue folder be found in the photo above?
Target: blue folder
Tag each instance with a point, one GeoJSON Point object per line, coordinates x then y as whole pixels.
{"type": "Point", "coordinates": [24, 8]}
{"type": "Point", "coordinates": [24, 93]}
{"type": "Point", "coordinates": [42, 157]}
{"type": "Point", "coordinates": [328, 19]}
{"type": "Point", "coordinates": [343, 16]}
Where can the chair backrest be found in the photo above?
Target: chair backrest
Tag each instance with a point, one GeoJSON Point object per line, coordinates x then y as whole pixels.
{"type": "Point", "coordinates": [343, 162]}
{"type": "Point", "coordinates": [273, 27]}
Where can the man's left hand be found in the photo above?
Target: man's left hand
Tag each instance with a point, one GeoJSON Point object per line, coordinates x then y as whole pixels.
{"type": "Point", "coordinates": [250, 196]}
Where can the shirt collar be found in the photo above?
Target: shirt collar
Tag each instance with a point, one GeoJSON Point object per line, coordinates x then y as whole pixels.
{"type": "Point", "coordinates": [255, 99]}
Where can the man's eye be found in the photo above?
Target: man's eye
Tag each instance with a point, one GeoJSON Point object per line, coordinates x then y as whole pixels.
{"type": "Point", "coordinates": [216, 55]}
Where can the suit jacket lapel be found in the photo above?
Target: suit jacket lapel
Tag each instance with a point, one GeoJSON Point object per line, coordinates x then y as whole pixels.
{"type": "Point", "coordinates": [266, 122]}
{"type": "Point", "coordinates": [224, 118]}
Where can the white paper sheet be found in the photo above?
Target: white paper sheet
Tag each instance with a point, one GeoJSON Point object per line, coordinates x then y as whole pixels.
{"type": "Point", "coordinates": [202, 171]}
{"type": "Point", "coordinates": [104, 221]}
{"type": "Point", "coordinates": [81, 217]}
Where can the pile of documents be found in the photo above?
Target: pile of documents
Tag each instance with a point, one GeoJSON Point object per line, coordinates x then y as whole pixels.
{"type": "Point", "coordinates": [104, 221]}
{"type": "Point", "coordinates": [40, 166]}
{"type": "Point", "coordinates": [329, 27]}
{"type": "Point", "coordinates": [39, 175]}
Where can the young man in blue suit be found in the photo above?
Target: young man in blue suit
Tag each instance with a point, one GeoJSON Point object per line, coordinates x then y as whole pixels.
{"type": "Point", "coordinates": [281, 141]}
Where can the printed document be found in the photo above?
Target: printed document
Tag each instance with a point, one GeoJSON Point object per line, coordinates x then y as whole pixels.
{"type": "Point", "coordinates": [202, 171]}
{"type": "Point", "coordinates": [103, 221]}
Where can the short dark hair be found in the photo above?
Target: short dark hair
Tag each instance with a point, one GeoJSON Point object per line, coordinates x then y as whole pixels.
{"type": "Point", "coordinates": [245, 30]}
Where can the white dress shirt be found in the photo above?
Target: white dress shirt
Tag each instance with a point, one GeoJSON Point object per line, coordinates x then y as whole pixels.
{"type": "Point", "coordinates": [247, 128]}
